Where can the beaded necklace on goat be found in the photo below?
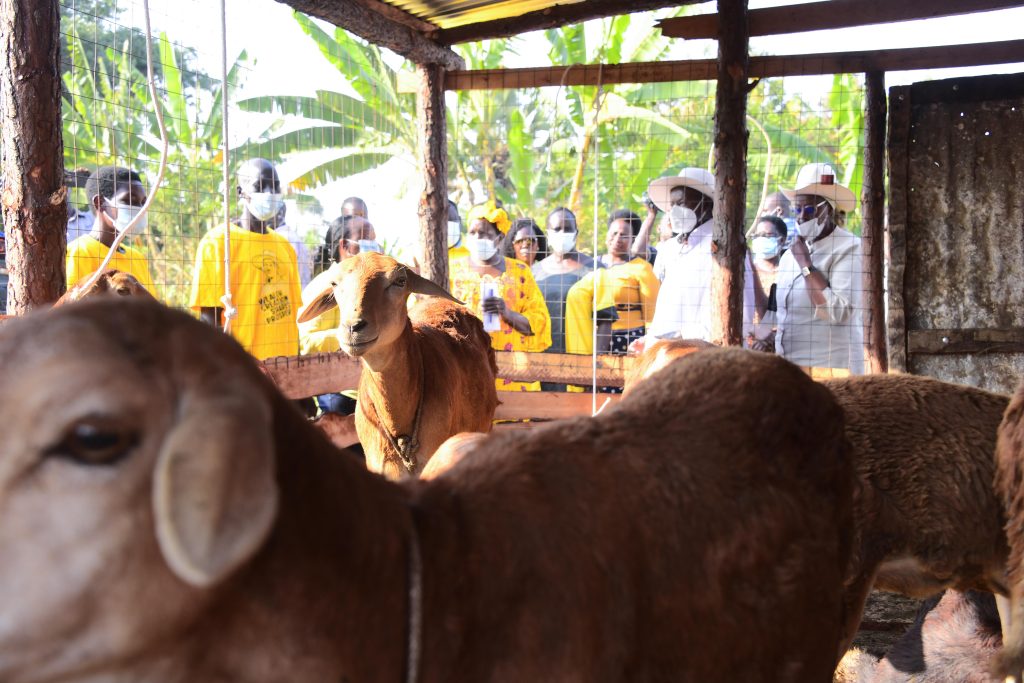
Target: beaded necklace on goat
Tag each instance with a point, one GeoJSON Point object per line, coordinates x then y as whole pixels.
{"type": "Point", "coordinates": [405, 445]}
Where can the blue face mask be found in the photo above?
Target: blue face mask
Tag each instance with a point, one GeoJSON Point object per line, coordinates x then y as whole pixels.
{"type": "Point", "coordinates": [264, 205]}
{"type": "Point", "coordinates": [370, 245]}
{"type": "Point", "coordinates": [766, 247]}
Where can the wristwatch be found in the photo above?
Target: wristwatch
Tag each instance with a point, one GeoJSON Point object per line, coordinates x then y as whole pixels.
{"type": "Point", "coordinates": [807, 270]}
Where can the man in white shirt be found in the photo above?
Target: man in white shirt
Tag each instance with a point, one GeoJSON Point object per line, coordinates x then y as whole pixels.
{"type": "Point", "coordinates": [685, 263]}
{"type": "Point", "coordinates": [819, 281]}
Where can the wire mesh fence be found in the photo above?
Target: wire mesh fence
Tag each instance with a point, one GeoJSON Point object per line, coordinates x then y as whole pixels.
{"type": "Point", "coordinates": [597, 198]}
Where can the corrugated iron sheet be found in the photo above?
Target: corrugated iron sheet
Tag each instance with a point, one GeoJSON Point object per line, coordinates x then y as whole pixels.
{"type": "Point", "coordinates": [451, 13]}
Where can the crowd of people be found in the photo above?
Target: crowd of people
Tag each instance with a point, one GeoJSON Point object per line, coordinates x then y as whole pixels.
{"type": "Point", "coordinates": [533, 286]}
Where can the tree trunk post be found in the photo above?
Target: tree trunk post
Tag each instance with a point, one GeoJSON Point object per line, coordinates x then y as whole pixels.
{"type": "Point", "coordinates": [34, 197]}
{"type": "Point", "coordinates": [433, 204]}
{"type": "Point", "coordinates": [873, 232]}
{"type": "Point", "coordinates": [728, 246]}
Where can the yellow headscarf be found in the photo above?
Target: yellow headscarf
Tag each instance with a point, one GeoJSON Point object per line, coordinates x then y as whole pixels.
{"type": "Point", "coordinates": [492, 214]}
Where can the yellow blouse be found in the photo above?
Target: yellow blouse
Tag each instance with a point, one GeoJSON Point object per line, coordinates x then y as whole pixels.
{"type": "Point", "coordinates": [635, 291]}
{"type": "Point", "coordinates": [319, 335]}
{"type": "Point", "coordinates": [579, 309]}
{"type": "Point", "coordinates": [521, 295]}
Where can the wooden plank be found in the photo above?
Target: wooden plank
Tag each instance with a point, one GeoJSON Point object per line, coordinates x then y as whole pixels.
{"type": "Point", "coordinates": [831, 14]}
{"type": "Point", "coordinates": [431, 123]}
{"type": "Point", "coordinates": [551, 17]}
{"type": "Point", "coordinates": [966, 341]}
{"type": "Point", "coordinates": [398, 15]}
{"type": "Point", "coordinates": [898, 152]}
{"type": "Point", "coordinates": [34, 197]}
{"type": "Point", "coordinates": [304, 376]}
{"type": "Point", "coordinates": [873, 227]}
{"type": "Point", "coordinates": [547, 405]}
{"type": "Point", "coordinates": [355, 17]}
{"type": "Point", "coordinates": [909, 59]}
{"type": "Point", "coordinates": [728, 245]}
{"type": "Point", "coordinates": [562, 368]}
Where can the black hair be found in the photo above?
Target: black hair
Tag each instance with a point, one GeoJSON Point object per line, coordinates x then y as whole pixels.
{"type": "Point", "coordinates": [508, 242]}
{"type": "Point", "coordinates": [105, 180]}
{"type": "Point", "coordinates": [330, 250]}
{"type": "Point", "coordinates": [632, 220]}
{"type": "Point", "coordinates": [780, 225]}
{"type": "Point", "coordinates": [562, 209]}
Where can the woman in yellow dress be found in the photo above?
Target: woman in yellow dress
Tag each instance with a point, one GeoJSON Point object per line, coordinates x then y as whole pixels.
{"type": "Point", "coordinates": [516, 312]}
{"type": "Point", "coordinates": [630, 283]}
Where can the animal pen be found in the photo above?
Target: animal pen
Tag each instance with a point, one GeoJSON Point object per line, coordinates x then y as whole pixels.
{"type": "Point", "coordinates": [586, 135]}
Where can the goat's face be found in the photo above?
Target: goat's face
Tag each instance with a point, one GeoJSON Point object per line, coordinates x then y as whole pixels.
{"type": "Point", "coordinates": [371, 292]}
{"type": "Point", "coordinates": [112, 282]}
{"type": "Point", "coordinates": [127, 490]}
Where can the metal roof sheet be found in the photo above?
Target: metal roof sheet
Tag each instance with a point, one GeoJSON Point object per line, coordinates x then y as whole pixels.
{"type": "Point", "coordinates": [452, 13]}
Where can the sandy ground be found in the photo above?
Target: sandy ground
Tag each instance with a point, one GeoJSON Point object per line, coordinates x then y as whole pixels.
{"type": "Point", "coordinates": [887, 616]}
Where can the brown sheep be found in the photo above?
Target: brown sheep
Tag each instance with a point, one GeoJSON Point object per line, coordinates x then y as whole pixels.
{"type": "Point", "coordinates": [952, 640]}
{"type": "Point", "coordinates": [927, 515]}
{"type": "Point", "coordinates": [658, 355]}
{"type": "Point", "coordinates": [1010, 488]}
{"type": "Point", "coordinates": [173, 518]}
{"type": "Point", "coordinates": [427, 373]}
{"type": "Point", "coordinates": [111, 282]}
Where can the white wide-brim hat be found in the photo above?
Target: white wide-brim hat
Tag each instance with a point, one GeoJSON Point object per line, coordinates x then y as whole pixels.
{"type": "Point", "coordinates": [820, 180]}
{"type": "Point", "coordinates": [698, 178]}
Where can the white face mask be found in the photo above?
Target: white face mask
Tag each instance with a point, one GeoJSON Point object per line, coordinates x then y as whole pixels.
{"type": "Point", "coordinates": [454, 233]}
{"type": "Point", "coordinates": [125, 214]}
{"type": "Point", "coordinates": [812, 228]}
{"type": "Point", "coordinates": [369, 245]}
{"type": "Point", "coordinates": [481, 248]}
{"type": "Point", "coordinates": [766, 247]}
{"type": "Point", "coordinates": [683, 220]}
{"type": "Point", "coordinates": [264, 205]}
{"type": "Point", "coordinates": [562, 243]}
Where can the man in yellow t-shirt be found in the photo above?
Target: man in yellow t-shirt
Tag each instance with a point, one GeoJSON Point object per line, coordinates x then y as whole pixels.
{"type": "Point", "coordinates": [115, 195]}
{"type": "Point", "coordinates": [264, 273]}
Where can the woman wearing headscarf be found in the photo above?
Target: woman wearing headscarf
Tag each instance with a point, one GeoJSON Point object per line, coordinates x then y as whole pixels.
{"type": "Point", "coordinates": [500, 290]}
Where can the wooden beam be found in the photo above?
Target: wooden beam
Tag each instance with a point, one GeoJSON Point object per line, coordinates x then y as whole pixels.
{"type": "Point", "coordinates": [562, 368]}
{"type": "Point", "coordinates": [909, 59]}
{"type": "Point", "coordinates": [34, 197]}
{"type": "Point", "coordinates": [1010, 340]}
{"type": "Point", "coordinates": [728, 246]}
{"type": "Point", "coordinates": [398, 15]}
{"type": "Point", "coordinates": [353, 16]}
{"type": "Point", "coordinates": [873, 226]}
{"type": "Point", "coordinates": [547, 405]}
{"type": "Point", "coordinates": [898, 154]}
{"type": "Point", "coordinates": [431, 123]}
{"type": "Point", "coordinates": [322, 373]}
{"type": "Point", "coordinates": [551, 17]}
{"type": "Point", "coordinates": [832, 14]}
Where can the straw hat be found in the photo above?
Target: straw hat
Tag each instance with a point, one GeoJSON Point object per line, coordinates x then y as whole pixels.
{"type": "Point", "coordinates": [697, 178]}
{"type": "Point", "coordinates": [820, 180]}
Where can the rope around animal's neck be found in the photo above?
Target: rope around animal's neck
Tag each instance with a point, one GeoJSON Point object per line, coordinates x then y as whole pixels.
{"type": "Point", "coordinates": [404, 445]}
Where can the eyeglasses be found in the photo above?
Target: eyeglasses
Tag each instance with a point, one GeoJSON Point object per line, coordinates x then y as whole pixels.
{"type": "Point", "coordinates": [807, 210]}
{"type": "Point", "coordinates": [525, 241]}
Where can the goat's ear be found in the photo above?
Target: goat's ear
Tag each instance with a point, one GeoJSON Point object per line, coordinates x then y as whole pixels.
{"type": "Point", "coordinates": [324, 302]}
{"type": "Point", "coordinates": [421, 285]}
{"type": "Point", "coordinates": [214, 490]}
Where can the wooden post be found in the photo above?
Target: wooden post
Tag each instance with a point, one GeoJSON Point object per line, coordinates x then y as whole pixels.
{"type": "Point", "coordinates": [728, 245]}
{"type": "Point", "coordinates": [34, 198]}
{"type": "Point", "coordinates": [899, 187]}
{"type": "Point", "coordinates": [433, 205]}
{"type": "Point", "coordinates": [873, 234]}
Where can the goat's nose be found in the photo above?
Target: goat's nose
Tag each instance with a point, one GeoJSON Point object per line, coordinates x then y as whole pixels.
{"type": "Point", "coordinates": [356, 325]}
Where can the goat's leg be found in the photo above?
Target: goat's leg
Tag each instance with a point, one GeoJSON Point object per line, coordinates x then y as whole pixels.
{"type": "Point", "coordinates": [1003, 606]}
{"type": "Point", "coordinates": [855, 595]}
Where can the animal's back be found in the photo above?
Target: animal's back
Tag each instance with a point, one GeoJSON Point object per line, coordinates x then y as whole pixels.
{"type": "Point", "coordinates": [670, 538]}
{"type": "Point", "coordinates": [927, 450]}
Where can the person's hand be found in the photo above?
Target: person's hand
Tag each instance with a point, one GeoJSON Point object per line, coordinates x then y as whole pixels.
{"type": "Point", "coordinates": [652, 208]}
{"type": "Point", "coordinates": [495, 304]}
{"type": "Point", "coordinates": [800, 252]}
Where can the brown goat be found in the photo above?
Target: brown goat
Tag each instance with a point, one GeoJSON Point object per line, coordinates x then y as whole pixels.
{"type": "Point", "coordinates": [927, 515]}
{"type": "Point", "coordinates": [173, 518]}
{"type": "Point", "coordinates": [952, 640]}
{"type": "Point", "coordinates": [656, 356]}
{"type": "Point", "coordinates": [427, 373]}
{"type": "Point", "coordinates": [1010, 488]}
{"type": "Point", "coordinates": [111, 282]}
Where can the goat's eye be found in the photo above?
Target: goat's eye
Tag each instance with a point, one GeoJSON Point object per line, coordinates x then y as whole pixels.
{"type": "Point", "coordinates": [94, 441]}
{"type": "Point", "coordinates": [400, 281]}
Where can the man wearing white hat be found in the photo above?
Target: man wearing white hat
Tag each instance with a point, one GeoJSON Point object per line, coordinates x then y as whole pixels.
{"type": "Point", "coordinates": [820, 280]}
{"type": "Point", "coordinates": [684, 263]}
